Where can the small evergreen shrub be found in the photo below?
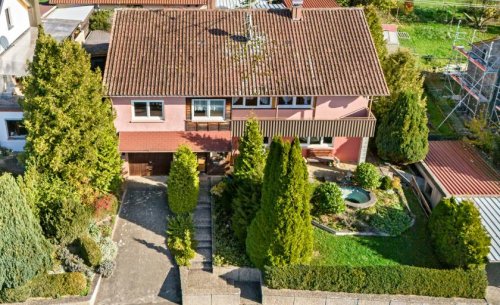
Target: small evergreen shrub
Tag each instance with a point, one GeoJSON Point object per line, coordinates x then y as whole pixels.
{"type": "Point", "coordinates": [392, 220]}
{"type": "Point", "coordinates": [180, 238]}
{"type": "Point", "coordinates": [327, 199]}
{"type": "Point", "coordinates": [73, 263]}
{"type": "Point", "coordinates": [18, 294]}
{"type": "Point", "coordinates": [183, 183]}
{"type": "Point", "coordinates": [90, 251]}
{"type": "Point", "coordinates": [385, 183]}
{"type": "Point", "coordinates": [100, 20]}
{"type": "Point", "coordinates": [396, 183]}
{"type": "Point", "coordinates": [458, 236]}
{"type": "Point", "coordinates": [407, 280]}
{"type": "Point", "coordinates": [367, 176]}
{"type": "Point", "coordinates": [106, 268]}
{"type": "Point", "coordinates": [109, 249]}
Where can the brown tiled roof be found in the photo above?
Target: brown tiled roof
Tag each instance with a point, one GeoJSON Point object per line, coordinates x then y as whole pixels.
{"type": "Point", "coordinates": [169, 141]}
{"type": "Point", "coordinates": [314, 3]}
{"type": "Point", "coordinates": [205, 53]}
{"type": "Point", "coordinates": [461, 170]}
{"type": "Point", "coordinates": [131, 2]}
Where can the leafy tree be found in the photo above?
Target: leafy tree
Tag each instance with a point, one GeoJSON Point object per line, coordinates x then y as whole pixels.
{"type": "Point", "coordinates": [100, 20]}
{"type": "Point", "coordinates": [281, 233]}
{"type": "Point", "coordinates": [384, 5]}
{"type": "Point", "coordinates": [248, 174]}
{"type": "Point", "coordinates": [402, 135]}
{"type": "Point", "coordinates": [367, 176]}
{"type": "Point", "coordinates": [327, 199]}
{"type": "Point", "coordinates": [401, 74]}
{"type": "Point", "coordinates": [183, 183]}
{"type": "Point", "coordinates": [376, 31]}
{"type": "Point", "coordinates": [459, 238]}
{"type": "Point", "coordinates": [71, 135]}
{"type": "Point", "coordinates": [481, 11]}
{"type": "Point", "coordinates": [24, 251]}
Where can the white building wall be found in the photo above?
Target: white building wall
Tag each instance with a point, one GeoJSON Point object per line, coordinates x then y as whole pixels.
{"type": "Point", "coordinates": [20, 22]}
{"type": "Point", "coordinates": [14, 144]}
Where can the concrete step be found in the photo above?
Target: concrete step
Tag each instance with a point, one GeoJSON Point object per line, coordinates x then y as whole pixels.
{"type": "Point", "coordinates": [202, 222]}
{"type": "Point", "coordinates": [200, 266]}
{"type": "Point", "coordinates": [203, 236]}
{"type": "Point", "coordinates": [203, 254]}
{"type": "Point", "coordinates": [204, 244]}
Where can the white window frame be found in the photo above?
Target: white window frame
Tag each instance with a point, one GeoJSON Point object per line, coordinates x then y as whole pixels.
{"type": "Point", "coordinates": [321, 142]}
{"type": "Point", "coordinates": [258, 102]}
{"type": "Point", "coordinates": [8, 18]}
{"type": "Point", "coordinates": [208, 118]}
{"type": "Point", "coordinates": [294, 102]}
{"type": "Point", "coordinates": [148, 117]}
{"type": "Point", "coordinates": [9, 137]}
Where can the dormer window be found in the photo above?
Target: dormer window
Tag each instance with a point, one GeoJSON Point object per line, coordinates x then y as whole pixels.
{"type": "Point", "coordinates": [295, 101]}
{"type": "Point", "coordinates": [8, 18]}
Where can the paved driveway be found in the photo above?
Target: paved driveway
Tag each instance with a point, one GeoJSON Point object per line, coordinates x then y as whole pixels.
{"type": "Point", "coordinates": [144, 273]}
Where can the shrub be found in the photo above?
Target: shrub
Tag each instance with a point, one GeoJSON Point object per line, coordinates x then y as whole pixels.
{"type": "Point", "coordinates": [105, 205]}
{"type": "Point", "coordinates": [180, 239]}
{"type": "Point", "coordinates": [457, 234]}
{"type": "Point", "coordinates": [385, 183]}
{"type": "Point", "coordinates": [367, 176]}
{"type": "Point", "coordinates": [496, 152]}
{"type": "Point", "coordinates": [106, 268]}
{"type": "Point", "coordinates": [327, 199]}
{"type": "Point", "coordinates": [90, 251]}
{"type": "Point", "coordinates": [18, 294]}
{"type": "Point", "coordinates": [73, 263]}
{"type": "Point", "coordinates": [183, 182]}
{"type": "Point", "coordinates": [100, 20]}
{"type": "Point", "coordinates": [396, 183]}
{"type": "Point", "coordinates": [24, 252]}
{"type": "Point", "coordinates": [106, 230]}
{"type": "Point", "coordinates": [109, 249]}
{"type": "Point", "coordinates": [407, 280]}
{"type": "Point", "coordinates": [391, 220]}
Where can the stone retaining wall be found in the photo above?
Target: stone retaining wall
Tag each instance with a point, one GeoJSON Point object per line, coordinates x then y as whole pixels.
{"type": "Point", "coordinates": [241, 274]}
{"type": "Point", "coordinates": [206, 296]}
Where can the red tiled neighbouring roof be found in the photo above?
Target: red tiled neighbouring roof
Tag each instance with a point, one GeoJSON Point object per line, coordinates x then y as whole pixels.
{"type": "Point", "coordinates": [203, 53]}
{"type": "Point", "coordinates": [390, 27]}
{"type": "Point", "coordinates": [169, 141]}
{"type": "Point", "coordinates": [461, 170]}
{"type": "Point", "coordinates": [314, 3]}
{"type": "Point", "coordinates": [131, 2]}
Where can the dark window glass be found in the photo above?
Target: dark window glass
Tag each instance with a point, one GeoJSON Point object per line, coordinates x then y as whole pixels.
{"type": "Point", "coordinates": [140, 109]}
{"type": "Point", "coordinates": [266, 140]}
{"type": "Point", "coordinates": [155, 109]}
{"type": "Point", "coordinates": [200, 108]}
{"type": "Point", "coordinates": [217, 108]}
{"type": "Point", "coordinates": [303, 140]}
{"type": "Point", "coordinates": [285, 100]}
{"type": "Point", "coordinates": [315, 140]}
{"type": "Point", "coordinates": [238, 101]}
{"type": "Point", "coordinates": [16, 129]}
{"type": "Point", "coordinates": [327, 140]}
{"type": "Point", "coordinates": [303, 100]}
{"type": "Point", "coordinates": [251, 101]}
{"type": "Point", "coordinates": [265, 101]}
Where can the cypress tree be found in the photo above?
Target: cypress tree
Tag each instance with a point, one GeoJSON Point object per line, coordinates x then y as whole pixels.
{"type": "Point", "coordinates": [248, 174]}
{"type": "Point", "coordinates": [262, 230]}
{"type": "Point", "coordinates": [402, 135]}
{"type": "Point", "coordinates": [71, 135]}
{"type": "Point", "coordinates": [183, 182]}
{"type": "Point", "coordinates": [24, 251]}
{"type": "Point", "coordinates": [376, 31]}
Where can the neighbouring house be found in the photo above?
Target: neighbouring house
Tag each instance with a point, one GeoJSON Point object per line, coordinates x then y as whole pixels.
{"type": "Point", "coordinates": [391, 37]}
{"type": "Point", "coordinates": [195, 76]}
{"type": "Point", "coordinates": [151, 4]}
{"type": "Point", "coordinates": [18, 21]}
{"type": "Point", "coordinates": [268, 4]}
{"type": "Point", "coordinates": [455, 168]}
{"type": "Point", "coordinates": [68, 22]}
{"type": "Point", "coordinates": [96, 44]}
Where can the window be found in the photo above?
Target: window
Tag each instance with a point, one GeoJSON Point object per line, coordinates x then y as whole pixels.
{"type": "Point", "coordinates": [316, 141]}
{"type": "Point", "coordinates": [295, 101]}
{"type": "Point", "coordinates": [205, 109]}
{"type": "Point", "coordinates": [260, 102]}
{"type": "Point", "coordinates": [267, 141]}
{"type": "Point", "coordinates": [8, 18]}
{"type": "Point", "coordinates": [147, 110]}
{"type": "Point", "coordinates": [15, 129]}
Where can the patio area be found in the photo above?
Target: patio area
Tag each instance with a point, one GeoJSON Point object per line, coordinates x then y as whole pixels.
{"type": "Point", "coordinates": [341, 173]}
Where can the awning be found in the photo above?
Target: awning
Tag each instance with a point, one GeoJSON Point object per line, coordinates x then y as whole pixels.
{"type": "Point", "coordinates": [169, 141]}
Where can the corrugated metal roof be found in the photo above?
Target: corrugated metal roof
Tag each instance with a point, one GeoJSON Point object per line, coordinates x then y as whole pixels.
{"type": "Point", "coordinates": [489, 208]}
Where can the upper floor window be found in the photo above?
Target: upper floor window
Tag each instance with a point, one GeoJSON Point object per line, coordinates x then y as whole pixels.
{"type": "Point", "coordinates": [316, 141]}
{"type": "Point", "coordinates": [15, 129]}
{"type": "Point", "coordinates": [207, 109]}
{"type": "Point", "coordinates": [147, 110]}
{"type": "Point", "coordinates": [8, 17]}
{"type": "Point", "coordinates": [258, 102]}
{"type": "Point", "coordinates": [295, 101]}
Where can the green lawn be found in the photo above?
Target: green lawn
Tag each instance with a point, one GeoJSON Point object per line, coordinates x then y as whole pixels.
{"type": "Point", "coordinates": [436, 116]}
{"type": "Point", "coordinates": [411, 248]}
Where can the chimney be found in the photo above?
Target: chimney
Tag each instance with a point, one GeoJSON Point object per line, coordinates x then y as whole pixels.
{"type": "Point", "coordinates": [297, 10]}
{"type": "Point", "coordinates": [34, 12]}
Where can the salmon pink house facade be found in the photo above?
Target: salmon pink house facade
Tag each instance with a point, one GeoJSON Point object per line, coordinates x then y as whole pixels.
{"type": "Point", "coordinates": [195, 76]}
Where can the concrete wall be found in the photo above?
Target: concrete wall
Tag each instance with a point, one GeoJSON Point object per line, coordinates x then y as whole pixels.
{"type": "Point", "coordinates": [432, 190]}
{"type": "Point", "coordinates": [241, 274]}
{"type": "Point", "coordinates": [20, 22]}
{"type": "Point", "coordinates": [14, 144]}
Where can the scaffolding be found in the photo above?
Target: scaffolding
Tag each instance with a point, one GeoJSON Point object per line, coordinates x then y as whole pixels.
{"type": "Point", "coordinates": [474, 78]}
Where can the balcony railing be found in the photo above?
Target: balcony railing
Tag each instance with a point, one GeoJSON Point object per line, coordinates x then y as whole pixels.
{"type": "Point", "coordinates": [208, 126]}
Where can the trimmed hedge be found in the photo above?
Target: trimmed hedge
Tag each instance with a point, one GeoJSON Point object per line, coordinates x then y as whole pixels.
{"type": "Point", "coordinates": [407, 280]}
{"type": "Point", "coordinates": [47, 286]}
{"type": "Point", "coordinates": [90, 251]}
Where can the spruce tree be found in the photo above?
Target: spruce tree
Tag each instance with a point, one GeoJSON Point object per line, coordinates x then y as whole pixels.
{"type": "Point", "coordinates": [24, 251]}
{"type": "Point", "coordinates": [248, 174]}
{"type": "Point", "coordinates": [183, 182]}
{"type": "Point", "coordinates": [402, 135]}
{"type": "Point", "coordinates": [261, 232]}
{"type": "Point", "coordinates": [376, 31]}
{"type": "Point", "coordinates": [71, 135]}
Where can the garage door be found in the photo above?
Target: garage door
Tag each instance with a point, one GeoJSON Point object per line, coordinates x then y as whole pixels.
{"type": "Point", "coordinates": [149, 164]}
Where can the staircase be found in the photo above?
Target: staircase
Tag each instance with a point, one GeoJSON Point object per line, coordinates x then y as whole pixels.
{"type": "Point", "coordinates": [203, 228]}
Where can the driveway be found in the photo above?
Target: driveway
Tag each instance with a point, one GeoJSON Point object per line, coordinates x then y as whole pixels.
{"type": "Point", "coordinates": [145, 272]}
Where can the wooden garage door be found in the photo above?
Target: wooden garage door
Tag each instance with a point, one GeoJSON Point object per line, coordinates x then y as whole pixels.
{"type": "Point", "coordinates": [149, 164]}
